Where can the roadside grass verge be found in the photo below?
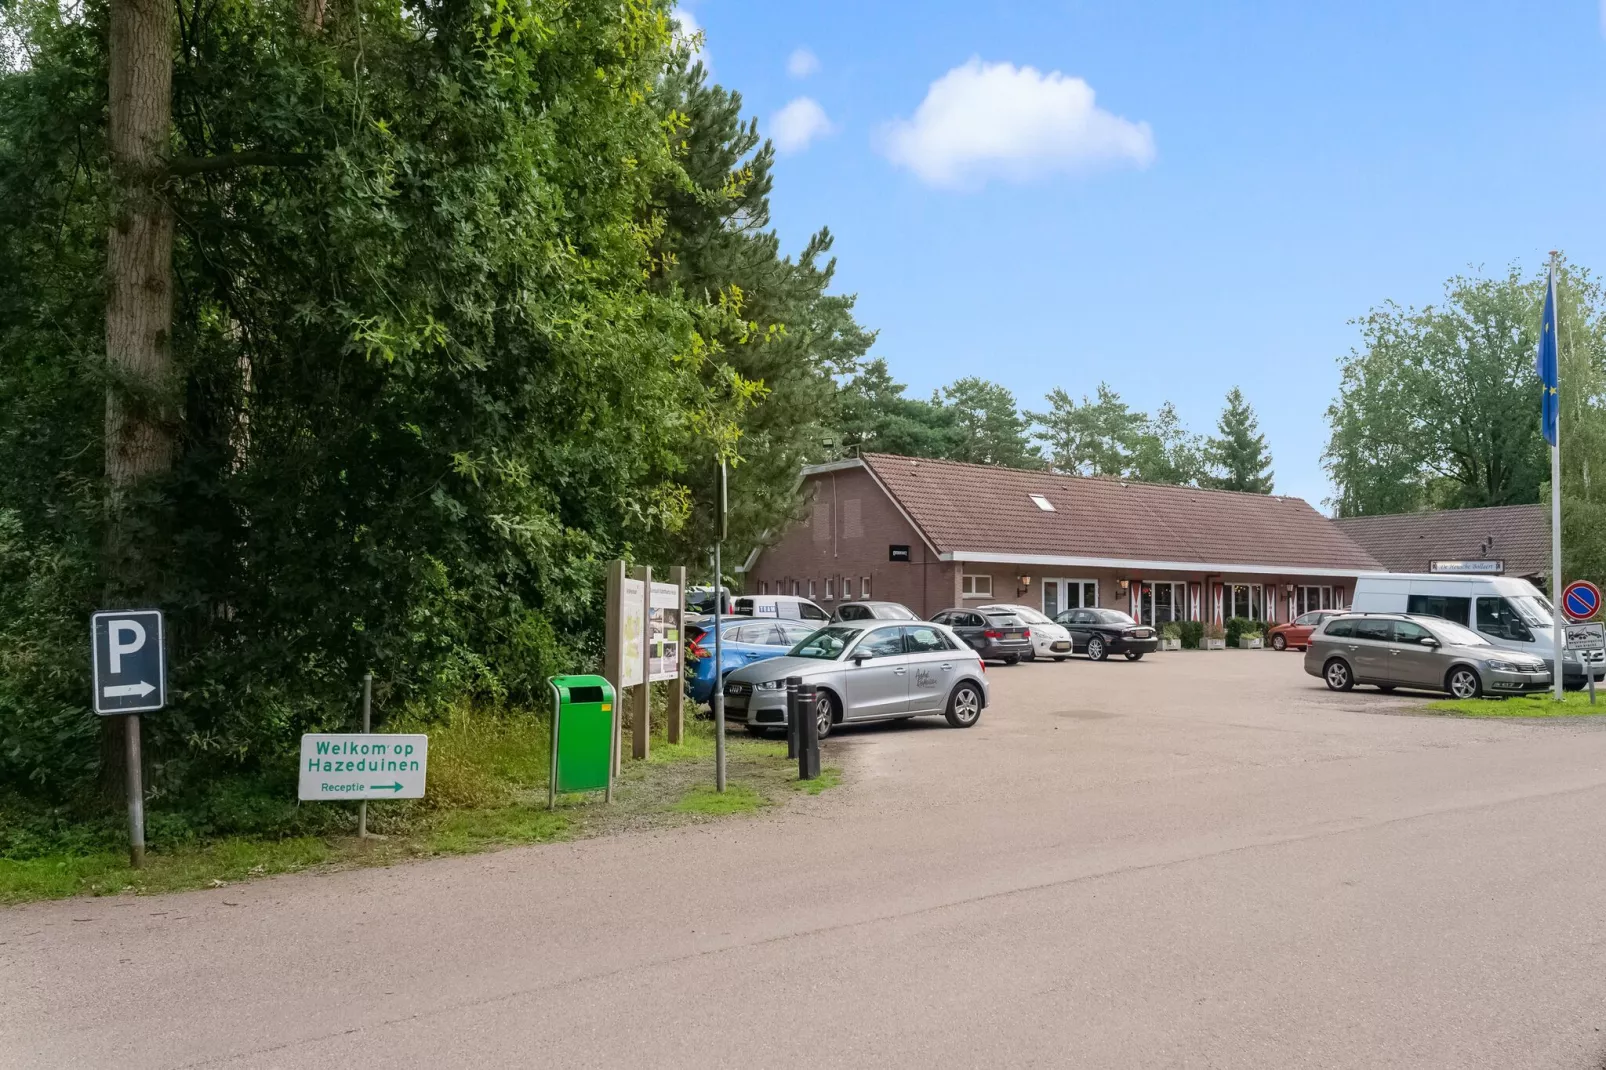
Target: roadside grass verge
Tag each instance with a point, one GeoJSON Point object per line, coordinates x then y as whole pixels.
{"type": "Point", "coordinates": [487, 790]}
{"type": "Point", "coordinates": [1575, 704]}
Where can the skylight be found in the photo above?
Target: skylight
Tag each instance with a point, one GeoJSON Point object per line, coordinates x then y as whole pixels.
{"type": "Point", "coordinates": [1042, 503]}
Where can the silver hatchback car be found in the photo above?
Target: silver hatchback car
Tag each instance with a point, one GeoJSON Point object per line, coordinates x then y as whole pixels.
{"type": "Point", "coordinates": [866, 670]}
{"type": "Point", "coordinates": [1393, 650]}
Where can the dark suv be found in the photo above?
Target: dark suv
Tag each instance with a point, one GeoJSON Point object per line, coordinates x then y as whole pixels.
{"type": "Point", "coordinates": [1000, 636]}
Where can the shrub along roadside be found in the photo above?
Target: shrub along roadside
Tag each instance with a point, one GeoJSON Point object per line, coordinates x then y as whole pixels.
{"type": "Point", "coordinates": [487, 789]}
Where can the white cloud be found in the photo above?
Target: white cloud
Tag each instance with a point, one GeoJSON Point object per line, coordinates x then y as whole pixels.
{"type": "Point", "coordinates": [689, 28]}
{"type": "Point", "coordinates": [802, 63]}
{"type": "Point", "coordinates": [799, 123]}
{"type": "Point", "coordinates": [995, 120]}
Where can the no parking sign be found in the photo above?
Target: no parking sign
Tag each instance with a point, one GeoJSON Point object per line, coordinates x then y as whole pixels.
{"type": "Point", "coordinates": [1580, 600]}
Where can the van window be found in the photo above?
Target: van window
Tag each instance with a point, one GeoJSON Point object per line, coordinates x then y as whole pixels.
{"type": "Point", "coordinates": [810, 611]}
{"type": "Point", "coordinates": [1438, 605]}
{"type": "Point", "coordinates": [1499, 618]}
{"type": "Point", "coordinates": [742, 607]}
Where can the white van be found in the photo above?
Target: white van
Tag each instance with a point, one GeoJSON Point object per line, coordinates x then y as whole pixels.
{"type": "Point", "coordinates": [1510, 613]}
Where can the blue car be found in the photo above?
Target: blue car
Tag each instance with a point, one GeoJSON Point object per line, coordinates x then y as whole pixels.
{"type": "Point", "coordinates": [743, 641]}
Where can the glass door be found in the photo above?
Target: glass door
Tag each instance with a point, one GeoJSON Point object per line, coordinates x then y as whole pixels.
{"type": "Point", "coordinates": [1060, 595]}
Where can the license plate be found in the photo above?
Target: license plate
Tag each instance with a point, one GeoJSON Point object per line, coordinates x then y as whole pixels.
{"type": "Point", "coordinates": [1014, 635]}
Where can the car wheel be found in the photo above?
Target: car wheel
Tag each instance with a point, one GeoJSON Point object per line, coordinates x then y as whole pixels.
{"type": "Point", "coordinates": [1096, 650]}
{"type": "Point", "coordinates": [1337, 674]}
{"type": "Point", "coordinates": [964, 706]}
{"type": "Point", "coordinates": [1012, 659]}
{"type": "Point", "coordinates": [1279, 642]}
{"type": "Point", "coordinates": [1134, 655]}
{"type": "Point", "coordinates": [824, 714]}
{"type": "Point", "coordinates": [1464, 682]}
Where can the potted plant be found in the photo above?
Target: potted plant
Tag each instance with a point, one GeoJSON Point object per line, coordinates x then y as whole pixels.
{"type": "Point", "coordinates": [1215, 637]}
{"type": "Point", "coordinates": [1171, 636]}
{"type": "Point", "coordinates": [1249, 641]}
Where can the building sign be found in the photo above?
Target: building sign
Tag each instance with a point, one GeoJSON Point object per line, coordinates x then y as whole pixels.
{"type": "Point", "coordinates": [363, 765]}
{"type": "Point", "coordinates": [663, 633]}
{"type": "Point", "coordinates": [897, 553]}
{"type": "Point", "coordinates": [1469, 568]}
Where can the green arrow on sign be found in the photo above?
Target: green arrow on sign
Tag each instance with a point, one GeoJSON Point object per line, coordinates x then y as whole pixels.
{"type": "Point", "coordinates": [385, 787]}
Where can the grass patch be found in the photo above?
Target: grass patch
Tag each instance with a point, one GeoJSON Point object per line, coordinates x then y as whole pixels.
{"type": "Point", "coordinates": [487, 789]}
{"type": "Point", "coordinates": [830, 776]}
{"type": "Point", "coordinates": [1575, 704]}
{"type": "Point", "coordinates": [706, 801]}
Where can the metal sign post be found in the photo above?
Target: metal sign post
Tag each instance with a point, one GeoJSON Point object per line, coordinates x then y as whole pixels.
{"type": "Point", "coordinates": [367, 727]}
{"type": "Point", "coordinates": [129, 662]}
{"type": "Point", "coordinates": [719, 661]}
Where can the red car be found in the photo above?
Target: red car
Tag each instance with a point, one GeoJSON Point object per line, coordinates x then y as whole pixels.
{"type": "Point", "coordinates": [1296, 633]}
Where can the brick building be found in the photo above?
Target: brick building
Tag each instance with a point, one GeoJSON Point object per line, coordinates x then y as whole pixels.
{"type": "Point", "coordinates": [1517, 537]}
{"type": "Point", "coordinates": [935, 534]}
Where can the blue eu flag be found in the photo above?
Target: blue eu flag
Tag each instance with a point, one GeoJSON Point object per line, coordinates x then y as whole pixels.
{"type": "Point", "coordinates": [1547, 363]}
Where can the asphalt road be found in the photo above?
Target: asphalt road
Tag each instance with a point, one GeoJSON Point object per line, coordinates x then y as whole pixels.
{"type": "Point", "coordinates": [1200, 860]}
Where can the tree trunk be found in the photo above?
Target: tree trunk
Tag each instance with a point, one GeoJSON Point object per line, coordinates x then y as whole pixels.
{"type": "Point", "coordinates": [140, 418]}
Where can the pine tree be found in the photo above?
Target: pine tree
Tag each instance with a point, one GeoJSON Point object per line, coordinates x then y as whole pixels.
{"type": "Point", "coordinates": [1237, 458]}
{"type": "Point", "coordinates": [990, 427]}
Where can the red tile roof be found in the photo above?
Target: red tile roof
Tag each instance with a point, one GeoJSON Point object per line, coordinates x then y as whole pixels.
{"type": "Point", "coordinates": [983, 509]}
{"type": "Point", "coordinates": [1519, 535]}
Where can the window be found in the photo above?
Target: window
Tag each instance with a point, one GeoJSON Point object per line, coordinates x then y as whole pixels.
{"type": "Point", "coordinates": [795, 633]}
{"type": "Point", "coordinates": [1437, 605]}
{"type": "Point", "coordinates": [1247, 600]}
{"type": "Point", "coordinates": [974, 586]}
{"type": "Point", "coordinates": [847, 586]}
{"type": "Point", "coordinates": [1376, 630]}
{"type": "Point", "coordinates": [1042, 503]}
{"type": "Point", "coordinates": [924, 639]}
{"type": "Point", "coordinates": [810, 611]}
{"type": "Point", "coordinates": [1310, 599]}
{"type": "Point", "coordinates": [763, 586]}
{"type": "Point", "coordinates": [1307, 620]}
{"type": "Point", "coordinates": [864, 586]}
{"type": "Point", "coordinates": [1340, 629]}
{"type": "Point", "coordinates": [811, 588]}
{"type": "Point", "coordinates": [883, 643]}
{"type": "Point", "coordinates": [1406, 631]}
{"type": "Point", "coordinates": [1499, 618]}
{"type": "Point", "coordinates": [1159, 603]}
{"type": "Point", "coordinates": [853, 613]}
{"type": "Point", "coordinates": [828, 589]}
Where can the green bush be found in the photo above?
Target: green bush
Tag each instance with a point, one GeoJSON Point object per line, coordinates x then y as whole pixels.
{"type": "Point", "coordinates": [1171, 630]}
{"type": "Point", "coordinates": [1238, 627]}
{"type": "Point", "coordinates": [1190, 632]}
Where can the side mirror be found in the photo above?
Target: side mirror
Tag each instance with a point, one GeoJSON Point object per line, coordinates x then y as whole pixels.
{"type": "Point", "coordinates": [858, 661]}
{"type": "Point", "coordinates": [1430, 641]}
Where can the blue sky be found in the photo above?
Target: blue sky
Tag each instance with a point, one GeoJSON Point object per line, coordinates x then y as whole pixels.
{"type": "Point", "coordinates": [1246, 179]}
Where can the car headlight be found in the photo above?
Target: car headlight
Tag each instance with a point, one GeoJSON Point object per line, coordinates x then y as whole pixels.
{"type": "Point", "coordinates": [771, 685]}
{"type": "Point", "coordinates": [1507, 666]}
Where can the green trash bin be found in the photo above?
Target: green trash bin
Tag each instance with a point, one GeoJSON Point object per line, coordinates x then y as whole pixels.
{"type": "Point", "coordinates": [582, 736]}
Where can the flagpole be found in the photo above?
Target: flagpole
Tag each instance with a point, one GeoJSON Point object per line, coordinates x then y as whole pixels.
{"type": "Point", "coordinates": [1558, 636]}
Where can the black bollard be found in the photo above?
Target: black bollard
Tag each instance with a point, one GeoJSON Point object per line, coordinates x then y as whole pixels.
{"type": "Point", "coordinates": [792, 684]}
{"type": "Point", "coordinates": [808, 747]}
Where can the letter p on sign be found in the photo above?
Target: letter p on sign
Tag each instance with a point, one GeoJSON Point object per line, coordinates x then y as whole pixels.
{"type": "Point", "coordinates": [130, 661]}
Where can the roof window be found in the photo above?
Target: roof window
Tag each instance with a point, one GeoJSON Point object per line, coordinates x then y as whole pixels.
{"type": "Point", "coordinates": [1042, 503]}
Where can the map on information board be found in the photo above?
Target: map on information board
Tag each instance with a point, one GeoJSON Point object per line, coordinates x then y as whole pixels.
{"type": "Point", "coordinates": [632, 659]}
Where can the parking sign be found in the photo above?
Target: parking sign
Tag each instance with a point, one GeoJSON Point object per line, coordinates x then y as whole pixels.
{"type": "Point", "coordinates": [130, 661]}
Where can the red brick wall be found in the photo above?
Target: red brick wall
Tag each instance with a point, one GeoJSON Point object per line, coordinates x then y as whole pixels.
{"type": "Point", "coordinates": [848, 525]}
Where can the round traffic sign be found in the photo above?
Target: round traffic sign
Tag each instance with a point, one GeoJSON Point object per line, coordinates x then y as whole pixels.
{"type": "Point", "coordinates": [1580, 600]}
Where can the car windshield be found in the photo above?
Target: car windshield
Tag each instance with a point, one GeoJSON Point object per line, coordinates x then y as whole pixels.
{"type": "Point", "coordinates": [1004, 620]}
{"type": "Point", "coordinates": [1031, 616]}
{"type": "Point", "coordinates": [1452, 633]}
{"type": "Point", "coordinates": [1532, 610]}
{"type": "Point", "coordinates": [827, 644]}
{"type": "Point", "coordinates": [892, 611]}
{"type": "Point", "coordinates": [1113, 616]}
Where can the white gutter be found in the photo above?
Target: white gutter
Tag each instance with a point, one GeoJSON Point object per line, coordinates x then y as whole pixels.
{"type": "Point", "coordinates": [1060, 561]}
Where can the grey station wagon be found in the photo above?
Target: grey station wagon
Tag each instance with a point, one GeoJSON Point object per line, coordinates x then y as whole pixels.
{"type": "Point", "coordinates": [1398, 650]}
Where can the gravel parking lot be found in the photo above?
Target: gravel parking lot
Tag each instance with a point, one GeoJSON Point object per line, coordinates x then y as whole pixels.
{"type": "Point", "coordinates": [1201, 859]}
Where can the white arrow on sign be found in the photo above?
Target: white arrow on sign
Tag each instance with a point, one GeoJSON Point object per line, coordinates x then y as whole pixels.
{"type": "Point", "coordinates": [127, 690]}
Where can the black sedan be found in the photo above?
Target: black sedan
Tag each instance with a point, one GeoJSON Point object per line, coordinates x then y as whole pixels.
{"type": "Point", "coordinates": [992, 634]}
{"type": "Point", "coordinates": [1102, 632]}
